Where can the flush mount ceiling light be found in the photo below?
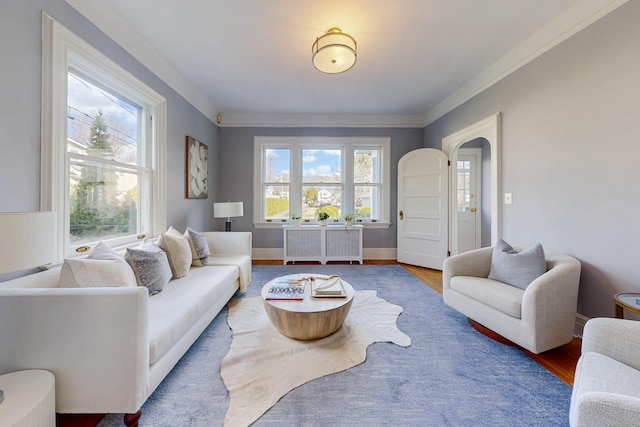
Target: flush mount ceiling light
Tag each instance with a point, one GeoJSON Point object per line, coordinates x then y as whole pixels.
{"type": "Point", "coordinates": [334, 52]}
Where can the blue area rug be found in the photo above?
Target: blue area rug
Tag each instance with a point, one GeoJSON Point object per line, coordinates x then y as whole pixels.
{"type": "Point", "coordinates": [450, 375]}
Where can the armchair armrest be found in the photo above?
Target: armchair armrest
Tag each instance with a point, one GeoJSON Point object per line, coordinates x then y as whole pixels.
{"type": "Point", "coordinates": [229, 242]}
{"type": "Point", "coordinates": [94, 341]}
{"type": "Point", "coordinates": [616, 338]}
{"type": "Point", "coordinates": [475, 263]}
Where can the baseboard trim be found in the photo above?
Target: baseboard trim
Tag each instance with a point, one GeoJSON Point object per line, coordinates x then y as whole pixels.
{"type": "Point", "coordinates": [270, 254]}
{"type": "Point", "coordinates": [581, 320]}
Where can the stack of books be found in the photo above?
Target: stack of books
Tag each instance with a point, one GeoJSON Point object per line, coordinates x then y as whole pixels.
{"type": "Point", "coordinates": [330, 287]}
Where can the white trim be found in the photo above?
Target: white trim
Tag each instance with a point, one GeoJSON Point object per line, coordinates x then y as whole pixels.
{"type": "Point", "coordinates": [295, 144]}
{"type": "Point", "coordinates": [489, 129]}
{"type": "Point", "coordinates": [477, 154]}
{"type": "Point", "coordinates": [277, 254]}
{"type": "Point", "coordinates": [366, 225]}
{"type": "Point", "coordinates": [61, 48]}
{"type": "Point", "coordinates": [581, 320]}
{"type": "Point", "coordinates": [322, 120]}
{"type": "Point", "coordinates": [107, 19]}
{"type": "Point", "coordinates": [575, 18]}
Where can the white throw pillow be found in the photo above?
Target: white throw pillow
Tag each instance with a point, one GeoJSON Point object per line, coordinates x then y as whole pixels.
{"type": "Point", "coordinates": [103, 267]}
{"type": "Point", "coordinates": [178, 250]}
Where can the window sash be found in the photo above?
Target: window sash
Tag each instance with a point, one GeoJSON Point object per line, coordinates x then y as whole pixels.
{"type": "Point", "coordinates": [345, 185]}
{"type": "Point", "coordinates": [63, 51]}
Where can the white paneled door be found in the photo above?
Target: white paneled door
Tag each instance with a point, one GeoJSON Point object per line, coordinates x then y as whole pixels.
{"type": "Point", "coordinates": [423, 208]}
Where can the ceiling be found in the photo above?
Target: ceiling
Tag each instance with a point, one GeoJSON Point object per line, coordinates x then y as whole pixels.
{"type": "Point", "coordinates": [249, 61]}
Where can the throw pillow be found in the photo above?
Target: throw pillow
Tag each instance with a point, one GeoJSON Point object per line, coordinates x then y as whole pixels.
{"type": "Point", "coordinates": [515, 268]}
{"type": "Point", "coordinates": [150, 265]}
{"type": "Point", "coordinates": [199, 247]}
{"type": "Point", "coordinates": [102, 267]}
{"type": "Point", "coordinates": [178, 251]}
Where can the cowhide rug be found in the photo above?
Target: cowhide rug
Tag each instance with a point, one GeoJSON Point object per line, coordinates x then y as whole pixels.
{"type": "Point", "coordinates": [263, 365]}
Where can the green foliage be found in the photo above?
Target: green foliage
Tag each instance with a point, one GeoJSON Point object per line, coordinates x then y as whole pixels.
{"type": "Point", "coordinates": [99, 138]}
{"type": "Point", "coordinates": [364, 212]}
{"type": "Point", "coordinates": [327, 212]}
{"type": "Point", "coordinates": [276, 206]}
{"type": "Point", "coordinates": [311, 196]}
{"type": "Point", "coordinates": [96, 209]}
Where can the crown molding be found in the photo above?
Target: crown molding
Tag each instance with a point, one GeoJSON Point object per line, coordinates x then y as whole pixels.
{"type": "Point", "coordinates": [576, 18]}
{"type": "Point", "coordinates": [322, 120]}
{"type": "Point", "coordinates": [103, 16]}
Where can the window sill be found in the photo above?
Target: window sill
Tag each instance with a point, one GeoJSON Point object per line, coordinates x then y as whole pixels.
{"type": "Point", "coordinates": [278, 225]}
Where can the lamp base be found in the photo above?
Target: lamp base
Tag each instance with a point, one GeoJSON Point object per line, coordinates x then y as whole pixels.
{"type": "Point", "coordinates": [227, 226]}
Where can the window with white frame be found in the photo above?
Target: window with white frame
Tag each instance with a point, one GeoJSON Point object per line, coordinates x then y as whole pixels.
{"type": "Point", "coordinates": [304, 176]}
{"type": "Point", "coordinates": [103, 146]}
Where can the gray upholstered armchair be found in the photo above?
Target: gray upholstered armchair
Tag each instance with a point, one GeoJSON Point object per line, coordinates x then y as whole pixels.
{"type": "Point", "coordinates": [538, 318]}
{"type": "Point", "coordinates": [606, 388]}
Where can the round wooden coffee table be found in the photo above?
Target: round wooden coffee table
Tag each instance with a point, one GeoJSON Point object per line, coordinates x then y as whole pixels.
{"type": "Point", "coordinates": [309, 319]}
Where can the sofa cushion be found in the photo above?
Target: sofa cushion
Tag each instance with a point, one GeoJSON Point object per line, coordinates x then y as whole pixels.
{"type": "Point", "coordinates": [603, 387]}
{"type": "Point", "coordinates": [178, 251]}
{"type": "Point", "coordinates": [182, 303]}
{"type": "Point", "coordinates": [150, 265]}
{"type": "Point", "coordinates": [103, 267]}
{"type": "Point", "coordinates": [199, 247]}
{"type": "Point", "coordinates": [517, 268]}
{"type": "Point", "coordinates": [497, 295]}
{"type": "Point", "coordinates": [243, 262]}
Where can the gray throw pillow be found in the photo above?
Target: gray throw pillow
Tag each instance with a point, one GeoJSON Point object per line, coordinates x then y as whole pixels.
{"type": "Point", "coordinates": [515, 268]}
{"type": "Point", "coordinates": [200, 246]}
{"type": "Point", "coordinates": [150, 265]}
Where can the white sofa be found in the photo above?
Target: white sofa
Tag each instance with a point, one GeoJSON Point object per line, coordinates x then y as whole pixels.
{"type": "Point", "coordinates": [606, 387]}
{"type": "Point", "coordinates": [110, 347]}
{"type": "Point", "coordinates": [539, 318]}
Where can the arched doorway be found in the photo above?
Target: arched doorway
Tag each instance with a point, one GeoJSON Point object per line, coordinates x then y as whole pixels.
{"type": "Point", "coordinates": [489, 129]}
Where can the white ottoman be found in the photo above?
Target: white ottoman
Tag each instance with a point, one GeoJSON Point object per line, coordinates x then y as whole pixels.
{"type": "Point", "coordinates": [29, 399]}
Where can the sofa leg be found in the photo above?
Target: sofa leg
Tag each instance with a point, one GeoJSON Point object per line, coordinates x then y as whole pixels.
{"type": "Point", "coordinates": [131, 420]}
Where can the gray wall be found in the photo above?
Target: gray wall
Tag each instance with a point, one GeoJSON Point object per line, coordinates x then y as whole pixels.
{"type": "Point", "coordinates": [235, 176]}
{"type": "Point", "coordinates": [570, 146]}
{"type": "Point", "coordinates": [20, 99]}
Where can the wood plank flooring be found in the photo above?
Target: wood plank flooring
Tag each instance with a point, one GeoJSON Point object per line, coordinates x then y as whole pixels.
{"type": "Point", "coordinates": [560, 361]}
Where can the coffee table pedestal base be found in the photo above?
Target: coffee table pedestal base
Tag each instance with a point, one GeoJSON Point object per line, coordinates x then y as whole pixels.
{"type": "Point", "coordinates": [307, 325]}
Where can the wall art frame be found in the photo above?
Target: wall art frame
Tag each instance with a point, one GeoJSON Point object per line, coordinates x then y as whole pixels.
{"type": "Point", "coordinates": [197, 175]}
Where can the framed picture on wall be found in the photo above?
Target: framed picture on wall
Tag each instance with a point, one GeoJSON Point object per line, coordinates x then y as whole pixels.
{"type": "Point", "coordinates": [197, 164]}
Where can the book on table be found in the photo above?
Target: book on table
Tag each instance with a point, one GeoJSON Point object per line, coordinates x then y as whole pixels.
{"type": "Point", "coordinates": [285, 289]}
{"type": "Point", "coordinates": [330, 287]}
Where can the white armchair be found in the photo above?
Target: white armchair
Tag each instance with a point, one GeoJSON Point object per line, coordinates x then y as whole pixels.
{"type": "Point", "coordinates": [538, 318]}
{"type": "Point", "coordinates": [606, 388]}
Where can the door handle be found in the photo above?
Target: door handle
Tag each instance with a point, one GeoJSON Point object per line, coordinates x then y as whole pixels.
{"type": "Point", "coordinates": [401, 215]}
{"type": "Point", "coordinates": [473, 209]}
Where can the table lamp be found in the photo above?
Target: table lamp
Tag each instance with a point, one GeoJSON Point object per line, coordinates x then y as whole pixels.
{"type": "Point", "coordinates": [227, 210]}
{"type": "Point", "coordinates": [28, 241]}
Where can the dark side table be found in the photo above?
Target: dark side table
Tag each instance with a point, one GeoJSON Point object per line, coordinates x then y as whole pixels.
{"type": "Point", "coordinates": [627, 301]}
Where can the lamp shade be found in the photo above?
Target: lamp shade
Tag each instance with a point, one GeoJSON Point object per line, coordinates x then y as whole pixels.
{"type": "Point", "coordinates": [334, 52]}
{"type": "Point", "coordinates": [28, 240]}
{"type": "Point", "coordinates": [227, 209]}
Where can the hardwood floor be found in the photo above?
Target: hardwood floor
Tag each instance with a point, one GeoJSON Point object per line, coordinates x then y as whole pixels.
{"type": "Point", "coordinates": [560, 361]}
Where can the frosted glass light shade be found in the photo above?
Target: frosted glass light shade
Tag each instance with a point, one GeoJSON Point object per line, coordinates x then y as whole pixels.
{"type": "Point", "coordinates": [334, 52]}
{"type": "Point", "coordinates": [28, 240]}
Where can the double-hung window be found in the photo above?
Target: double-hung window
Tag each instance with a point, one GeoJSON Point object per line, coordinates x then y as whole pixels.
{"type": "Point", "coordinates": [103, 147]}
{"type": "Point", "coordinates": [303, 176]}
